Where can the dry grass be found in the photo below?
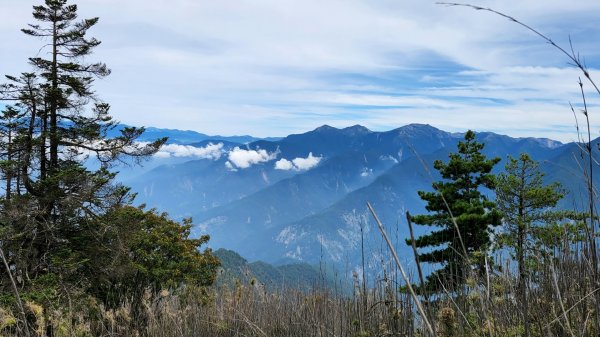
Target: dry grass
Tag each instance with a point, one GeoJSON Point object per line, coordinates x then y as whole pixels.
{"type": "Point", "coordinates": [561, 305]}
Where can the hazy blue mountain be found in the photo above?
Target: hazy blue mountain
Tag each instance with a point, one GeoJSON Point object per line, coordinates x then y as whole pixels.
{"type": "Point", "coordinates": [131, 172]}
{"type": "Point", "coordinates": [196, 186]}
{"type": "Point", "coordinates": [570, 166]}
{"type": "Point", "coordinates": [227, 145]}
{"type": "Point", "coordinates": [308, 212]}
{"type": "Point", "coordinates": [187, 136]}
{"type": "Point", "coordinates": [291, 198]}
{"type": "Point", "coordinates": [364, 156]}
{"type": "Point", "coordinates": [235, 268]}
{"type": "Point", "coordinates": [323, 141]}
{"type": "Point", "coordinates": [335, 230]}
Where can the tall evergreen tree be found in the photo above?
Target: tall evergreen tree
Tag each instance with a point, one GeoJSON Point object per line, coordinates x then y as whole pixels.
{"type": "Point", "coordinates": [526, 203]}
{"type": "Point", "coordinates": [67, 231]}
{"type": "Point", "coordinates": [56, 198]}
{"type": "Point", "coordinates": [461, 211]}
{"type": "Point", "coordinates": [10, 124]}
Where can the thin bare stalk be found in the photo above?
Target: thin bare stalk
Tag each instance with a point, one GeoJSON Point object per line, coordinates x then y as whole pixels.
{"type": "Point", "coordinates": [15, 291]}
{"type": "Point", "coordinates": [575, 58]}
{"type": "Point", "coordinates": [406, 279]}
{"type": "Point", "coordinates": [416, 254]}
{"type": "Point", "coordinates": [590, 181]}
{"type": "Point", "coordinates": [571, 307]}
{"type": "Point", "coordinates": [560, 300]}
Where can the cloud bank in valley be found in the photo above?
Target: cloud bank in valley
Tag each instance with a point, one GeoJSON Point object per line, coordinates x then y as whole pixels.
{"type": "Point", "coordinates": [298, 164]}
{"type": "Point", "coordinates": [236, 158]}
{"type": "Point", "coordinates": [210, 151]}
{"type": "Point", "coordinates": [240, 158]}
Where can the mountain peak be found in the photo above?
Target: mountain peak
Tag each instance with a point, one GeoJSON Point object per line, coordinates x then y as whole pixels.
{"type": "Point", "coordinates": [324, 128]}
{"type": "Point", "coordinates": [356, 129]}
{"type": "Point", "coordinates": [416, 129]}
{"type": "Point", "coordinates": [549, 143]}
{"type": "Point", "coordinates": [419, 126]}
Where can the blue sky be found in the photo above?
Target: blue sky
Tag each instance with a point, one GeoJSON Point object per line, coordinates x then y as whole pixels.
{"type": "Point", "coordinates": [274, 67]}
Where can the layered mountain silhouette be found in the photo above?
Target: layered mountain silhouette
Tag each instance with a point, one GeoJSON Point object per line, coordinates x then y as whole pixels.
{"type": "Point", "coordinates": [302, 198]}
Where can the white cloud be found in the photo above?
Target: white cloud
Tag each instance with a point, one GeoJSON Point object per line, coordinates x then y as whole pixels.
{"type": "Point", "coordinates": [230, 167]}
{"type": "Point", "coordinates": [284, 164]}
{"type": "Point", "coordinates": [162, 154]}
{"type": "Point", "coordinates": [298, 164]}
{"type": "Point", "coordinates": [240, 158]}
{"type": "Point", "coordinates": [306, 163]}
{"type": "Point", "coordinates": [260, 67]}
{"type": "Point", "coordinates": [390, 158]}
{"type": "Point", "coordinates": [210, 151]}
{"type": "Point", "coordinates": [366, 172]}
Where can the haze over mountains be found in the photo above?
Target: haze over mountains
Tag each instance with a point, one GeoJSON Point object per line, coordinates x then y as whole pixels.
{"type": "Point", "coordinates": [302, 198]}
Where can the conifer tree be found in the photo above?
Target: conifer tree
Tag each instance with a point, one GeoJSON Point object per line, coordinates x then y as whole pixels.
{"type": "Point", "coordinates": [56, 199]}
{"type": "Point", "coordinates": [526, 204]}
{"type": "Point", "coordinates": [68, 232]}
{"type": "Point", "coordinates": [10, 120]}
{"type": "Point", "coordinates": [463, 214]}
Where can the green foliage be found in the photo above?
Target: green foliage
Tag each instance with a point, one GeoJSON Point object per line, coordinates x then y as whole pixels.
{"type": "Point", "coordinates": [532, 224]}
{"type": "Point", "coordinates": [461, 211]}
{"type": "Point", "coordinates": [301, 276]}
{"type": "Point", "coordinates": [524, 200]}
{"type": "Point", "coordinates": [146, 250]}
{"type": "Point", "coordinates": [51, 199]}
{"type": "Point", "coordinates": [549, 239]}
{"type": "Point", "coordinates": [67, 231]}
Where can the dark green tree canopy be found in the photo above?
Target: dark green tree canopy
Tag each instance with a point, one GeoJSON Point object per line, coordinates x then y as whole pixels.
{"type": "Point", "coordinates": [531, 224]}
{"type": "Point", "coordinates": [461, 211]}
{"type": "Point", "coordinates": [147, 250]}
{"type": "Point", "coordinates": [66, 228]}
{"type": "Point", "coordinates": [524, 199]}
{"type": "Point", "coordinates": [529, 208]}
{"type": "Point", "coordinates": [54, 124]}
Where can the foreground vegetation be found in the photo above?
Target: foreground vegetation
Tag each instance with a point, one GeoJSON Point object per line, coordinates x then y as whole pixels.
{"type": "Point", "coordinates": [78, 259]}
{"type": "Point", "coordinates": [559, 307]}
{"type": "Point", "coordinates": [71, 241]}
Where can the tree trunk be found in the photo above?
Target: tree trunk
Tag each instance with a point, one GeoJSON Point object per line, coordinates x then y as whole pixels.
{"type": "Point", "coordinates": [521, 244]}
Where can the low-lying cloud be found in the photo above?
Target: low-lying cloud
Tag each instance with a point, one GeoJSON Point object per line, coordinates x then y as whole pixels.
{"type": "Point", "coordinates": [241, 159]}
{"type": "Point", "coordinates": [210, 151]}
{"type": "Point", "coordinates": [284, 164]}
{"type": "Point", "coordinates": [298, 164]}
{"type": "Point", "coordinates": [237, 158]}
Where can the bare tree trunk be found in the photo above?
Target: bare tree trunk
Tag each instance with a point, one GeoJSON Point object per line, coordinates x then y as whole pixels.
{"type": "Point", "coordinates": [15, 291]}
{"type": "Point", "coordinates": [54, 103]}
{"type": "Point", "coordinates": [521, 244]}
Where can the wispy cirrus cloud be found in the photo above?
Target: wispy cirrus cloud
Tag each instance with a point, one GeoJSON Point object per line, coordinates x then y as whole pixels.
{"type": "Point", "coordinates": [273, 67]}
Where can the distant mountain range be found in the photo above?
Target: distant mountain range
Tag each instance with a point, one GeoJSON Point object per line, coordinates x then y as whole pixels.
{"type": "Point", "coordinates": [302, 198]}
{"type": "Point", "coordinates": [189, 137]}
{"type": "Point", "coordinates": [235, 268]}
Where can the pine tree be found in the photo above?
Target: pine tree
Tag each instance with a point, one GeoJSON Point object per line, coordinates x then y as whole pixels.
{"type": "Point", "coordinates": [57, 198]}
{"type": "Point", "coordinates": [526, 203]}
{"type": "Point", "coordinates": [67, 231]}
{"type": "Point", "coordinates": [10, 123]}
{"type": "Point", "coordinates": [462, 212]}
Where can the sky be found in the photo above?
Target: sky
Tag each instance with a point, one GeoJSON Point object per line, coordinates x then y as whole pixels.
{"type": "Point", "coordinates": [276, 67]}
